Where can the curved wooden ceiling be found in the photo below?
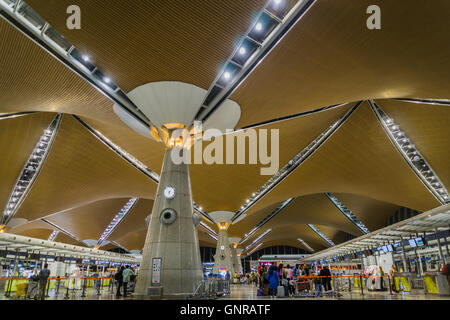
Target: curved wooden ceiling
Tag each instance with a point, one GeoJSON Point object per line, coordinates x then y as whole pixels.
{"type": "Point", "coordinates": [358, 159]}
{"type": "Point", "coordinates": [32, 80]}
{"type": "Point", "coordinates": [88, 221]}
{"type": "Point", "coordinates": [427, 126]}
{"type": "Point", "coordinates": [233, 184]}
{"type": "Point", "coordinates": [18, 137]}
{"type": "Point", "coordinates": [327, 58]}
{"type": "Point", "coordinates": [331, 57]}
{"type": "Point", "coordinates": [145, 41]}
{"type": "Point", "coordinates": [79, 170]}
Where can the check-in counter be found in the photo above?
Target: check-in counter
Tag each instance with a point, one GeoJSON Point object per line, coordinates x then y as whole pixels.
{"type": "Point", "coordinates": [437, 283]}
{"type": "Point", "coordinates": [402, 281]}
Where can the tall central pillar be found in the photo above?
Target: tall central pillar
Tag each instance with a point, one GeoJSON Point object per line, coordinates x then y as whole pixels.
{"type": "Point", "coordinates": [171, 263]}
{"type": "Point", "coordinates": [235, 260]}
{"type": "Point", "coordinates": [222, 259]}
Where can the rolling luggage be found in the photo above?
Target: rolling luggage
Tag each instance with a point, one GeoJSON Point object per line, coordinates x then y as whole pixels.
{"type": "Point", "coordinates": [280, 291]}
{"type": "Point", "coordinates": [303, 285]}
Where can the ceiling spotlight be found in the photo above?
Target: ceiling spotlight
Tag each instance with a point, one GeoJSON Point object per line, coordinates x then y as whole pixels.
{"type": "Point", "coordinates": [277, 2]}
{"type": "Point", "coordinates": [85, 58]}
{"type": "Point", "coordinates": [200, 208]}
{"type": "Point", "coordinates": [227, 75]}
{"type": "Point", "coordinates": [242, 51]}
{"type": "Point", "coordinates": [258, 26]}
{"type": "Point", "coordinates": [106, 80]}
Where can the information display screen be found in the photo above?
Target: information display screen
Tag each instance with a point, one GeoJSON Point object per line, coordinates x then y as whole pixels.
{"type": "Point", "coordinates": [412, 243]}
{"type": "Point", "coordinates": [384, 248]}
{"type": "Point", "coordinates": [389, 247]}
{"type": "Point", "coordinates": [419, 242]}
{"type": "Point", "coordinates": [397, 244]}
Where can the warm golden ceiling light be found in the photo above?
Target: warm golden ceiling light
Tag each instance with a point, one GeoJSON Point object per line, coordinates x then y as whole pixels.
{"type": "Point", "coordinates": [235, 245]}
{"type": "Point", "coordinates": [2, 228]}
{"type": "Point", "coordinates": [223, 225]}
{"type": "Point", "coordinates": [96, 247]}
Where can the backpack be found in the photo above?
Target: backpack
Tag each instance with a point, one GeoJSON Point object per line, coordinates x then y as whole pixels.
{"type": "Point", "coordinates": [118, 276]}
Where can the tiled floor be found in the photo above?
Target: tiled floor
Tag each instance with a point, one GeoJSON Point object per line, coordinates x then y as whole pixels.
{"type": "Point", "coordinates": [248, 292]}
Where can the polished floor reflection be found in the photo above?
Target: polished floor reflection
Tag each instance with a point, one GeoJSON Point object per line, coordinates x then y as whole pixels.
{"type": "Point", "coordinates": [248, 292]}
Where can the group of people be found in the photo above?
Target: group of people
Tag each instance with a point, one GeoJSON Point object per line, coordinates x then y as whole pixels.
{"type": "Point", "coordinates": [322, 280]}
{"type": "Point", "coordinates": [123, 277]}
{"type": "Point", "coordinates": [270, 279]}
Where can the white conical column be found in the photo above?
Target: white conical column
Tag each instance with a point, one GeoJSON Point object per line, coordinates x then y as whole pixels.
{"type": "Point", "coordinates": [176, 243]}
{"type": "Point", "coordinates": [222, 259]}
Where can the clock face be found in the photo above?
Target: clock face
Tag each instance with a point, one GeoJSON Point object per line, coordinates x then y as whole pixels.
{"type": "Point", "coordinates": [169, 192]}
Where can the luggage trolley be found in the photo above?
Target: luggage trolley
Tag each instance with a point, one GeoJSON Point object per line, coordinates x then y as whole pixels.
{"type": "Point", "coordinates": [33, 288]}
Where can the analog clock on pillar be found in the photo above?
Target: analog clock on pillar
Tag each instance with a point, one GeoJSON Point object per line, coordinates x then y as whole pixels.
{"type": "Point", "coordinates": [169, 192]}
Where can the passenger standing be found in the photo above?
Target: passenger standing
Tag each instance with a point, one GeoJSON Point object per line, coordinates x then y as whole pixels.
{"type": "Point", "coordinates": [326, 278]}
{"type": "Point", "coordinates": [318, 284]}
{"type": "Point", "coordinates": [43, 278]}
{"type": "Point", "coordinates": [126, 276]}
{"type": "Point", "coordinates": [272, 277]}
{"type": "Point", "coordinates": [119, 278]}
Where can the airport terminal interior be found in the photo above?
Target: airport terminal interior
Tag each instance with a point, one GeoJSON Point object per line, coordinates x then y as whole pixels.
{"type": "Point", "coordinates": [224, 149]}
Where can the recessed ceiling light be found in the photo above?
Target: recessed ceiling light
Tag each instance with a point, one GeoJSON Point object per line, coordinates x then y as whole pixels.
{"type": "Point", "coordinates": [242, 51]}
{"type": "Point", "coordinates": [107, 80]}
{"type": "Point", "coordinates": [86, 58]}
{"type": "Point", "coordinates": [227, 75]}
{"type": "Point", "coordinates": [258, 26]}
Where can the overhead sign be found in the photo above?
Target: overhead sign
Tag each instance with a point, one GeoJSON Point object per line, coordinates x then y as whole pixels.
{"type": "Point", "coordinates": [156, 271]}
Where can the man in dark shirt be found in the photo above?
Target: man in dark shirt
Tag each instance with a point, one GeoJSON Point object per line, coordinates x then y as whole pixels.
{"type": "Point", "coordinates": [43, 278]}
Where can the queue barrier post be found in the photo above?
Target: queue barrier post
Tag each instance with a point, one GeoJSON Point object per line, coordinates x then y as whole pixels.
{"type": "Point", "coordinates": [361, 284]}
{"type": "Point", "coordinates": [67, 289]}
{"type": "Point", "coordinates": [47, 284]}
{"type": "Point", "coordinates": [57, 286]}
{"type": "Point", "coordinates": [390, 285]}
{"type": "Point", "coordinates": [83, 293]}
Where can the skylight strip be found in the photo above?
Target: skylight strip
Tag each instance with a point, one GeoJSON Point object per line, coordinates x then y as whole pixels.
{"type": "Point", "coordinates": [15, 115]}
{"type": "Point", "coordinates": [255, 248]}
{"type": "Point", "coordinates": [117, 220]}
{"type": "Point", "coordinates": [294, 163]}
{"type": "Point", "coordinates": [266, 219]}
{"type": "Point", "coordinates": [412, 155]}
{"type": "Point", "coordinates": [204, 225]}
{"type": "Point", "coordinates": [305, 245]}
{"type": "Point", "coordinates": [211, 235]}
{"type": "Point", "coordinates": [324, 237]}
{"type": "Point", "coordinates": [31, 170]}
{"type": "Point", "coordinates": [258, 239]}
{"type": "Point", "coordinates": [61, 230]}
{"type": "Point", "coordinates": [121, 152]}
{"type": "Point", "coordinates": [440, 102]}
{"type": "Point", "coordinates": [53, 236]}
{"type": "Point", "coordinates": [347, 212]}
{"type": "Point", "coordinates": [28, 21]}
{"type": "Point", "coordinates": [131, 160]}
{"type": "Point", "coordinates": [264, 34]}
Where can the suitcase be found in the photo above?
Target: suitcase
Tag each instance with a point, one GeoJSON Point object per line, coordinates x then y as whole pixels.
{"type": "Point", "coordinates": [280, 291]}
{"type": "Point", "coordinates": [260, 292]}
{"type": "Point", "coordinates": [303, 285]}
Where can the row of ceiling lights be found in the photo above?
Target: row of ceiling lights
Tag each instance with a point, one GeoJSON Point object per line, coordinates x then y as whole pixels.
{"type": "Point", "coordinates": [31, 169]}
{"type": "Point", "coordinates": [252, 48]}
{"type": "Point", "coordinates": [266, 219]}
{"type": "Point", "coordinates": [413, 155]}
{"type": "Point", "coordinates": [53, 235]}
{"type": "Point", "coordinates": [347, 212]}
{"type": "Point", "coordinates": [258, 239]}
{"type": "Point", "coordinates": [291, 165]}
{"type": "Point", "coordinates": [305, 245]}
{"type": "Point", "coordinates": [321, 234]}
{"type": "Point", "coordinates": [116, 220]}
